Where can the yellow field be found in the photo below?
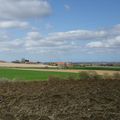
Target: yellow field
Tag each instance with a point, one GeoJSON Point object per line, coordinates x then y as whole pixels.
{"type": "Point", "coordinates": [16, 65]}
{"type": "Point", "coordinates": [100, 72]}
{"type": "Point", "coordinates": [40, 66]}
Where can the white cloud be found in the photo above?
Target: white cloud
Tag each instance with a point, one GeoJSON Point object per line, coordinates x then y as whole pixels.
{"type": "Point", "coordinates": [115, 42]}
{"type": "Point", "coordinates": [13, 24]}
{"type": "Point", "coordinates": [49, 26]}
{"type": "Point", "coordinates": [33, 36]}
{"type": "Point", "coordinates": [67, 7]}
{"type": "Point", "coordinates": [96, 44]}
{"type": "Point", "coordinates": [77, 35]}
{"type": "Point", "coordinates": [65, 41]}
{"type": "Point", "coordinates": [4, 37]}
{"type": "Point", "coordinates": [14, 45]}
{"type": "Point", "coordinates": [61, 38]}
{"type": "Point", "coordinates": [110, 42]}
{"type": "Point", "coordinates": [23, 9]}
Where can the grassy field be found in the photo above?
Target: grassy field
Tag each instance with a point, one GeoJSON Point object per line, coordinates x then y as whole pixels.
{"type": "Point", "coordinates": [117, 68]}
{"type": "Point", "coordinates": [13, 74]}
{"type": "Point", "coordinates": [104, 68]}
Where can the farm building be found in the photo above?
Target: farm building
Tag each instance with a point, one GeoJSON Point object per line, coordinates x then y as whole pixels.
{"type": "Point", "coordinates": [63, 64]}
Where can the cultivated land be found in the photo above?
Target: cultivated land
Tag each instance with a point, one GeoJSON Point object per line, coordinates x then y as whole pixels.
{"type": "Point", "coordinates": [27, 94]}
{"type": "Point", "coordinates": [101, 72]}
{"type": "Point", "coordinates": [60, 100]}
{"type": "Point", "coordinates": [42, 72]}
{"type": "Point", "coordinates": [21, 74]}
{"type": "Point", "coordinates": [15, 65]}
{"type": "Point", "coordinates": [28, 75]}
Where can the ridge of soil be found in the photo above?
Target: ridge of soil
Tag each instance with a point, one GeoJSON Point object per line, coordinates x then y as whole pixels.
{"type": "Point", "coordinates": [60, 100]}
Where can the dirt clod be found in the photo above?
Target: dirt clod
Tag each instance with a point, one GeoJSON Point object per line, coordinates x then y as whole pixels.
{"type": "Point", "coordinates": [60, 100]}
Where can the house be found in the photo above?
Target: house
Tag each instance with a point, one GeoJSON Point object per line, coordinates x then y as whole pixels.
{"type": "Point", "coordinates": [64, 64]}
{"type": "Point", "coordinates": [25, 61]}
{"type": "Point", "coordinates": [61, 64]}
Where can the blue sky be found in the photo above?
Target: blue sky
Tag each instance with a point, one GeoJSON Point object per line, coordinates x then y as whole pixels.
{"type": "Point", "coordinates": [60, 30]}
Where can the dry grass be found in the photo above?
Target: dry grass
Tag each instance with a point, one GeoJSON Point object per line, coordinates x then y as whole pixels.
{"type": "Point", "coordinates": [31, 66]}
{"type": "Point", "coordinates": [16, 65]}
{"type": "Point", "coordinates": [100, 72]}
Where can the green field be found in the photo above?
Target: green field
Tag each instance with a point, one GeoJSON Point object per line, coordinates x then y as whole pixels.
{"type": "Point", "coordinates": [117, 68]}
{"type": "Point", "coordinates": [25, 75]}
{"type": "Point", "coordinates": [77, 67]}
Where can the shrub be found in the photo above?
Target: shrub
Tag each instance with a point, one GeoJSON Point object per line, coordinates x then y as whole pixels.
{"type": "Point", "coordinates": [106, 76]}
{"type": "Point", "coordinates": [92, 75]}
{"type": "Point", "coordinates": [116, 76]}
{"type": "Point", "coordinates": [53, 78]}
{"type": "Point", "coordinates": [84, 75]}
{"type": "Point", "coordinates": [71, 77]}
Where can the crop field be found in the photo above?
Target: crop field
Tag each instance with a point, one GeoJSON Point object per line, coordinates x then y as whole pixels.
{"type": "Point", "coordinates": [28, 74]}
{"type": "Point", "coordinates": [110, 68]}
{"type": "Point", "coordinates": [22, 65]}
{"type": "Point", "coordinates": [57, 98]}
{"type": "Point", "coordinates": [16, 74]}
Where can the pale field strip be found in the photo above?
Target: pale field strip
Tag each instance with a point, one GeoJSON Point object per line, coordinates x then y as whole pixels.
{"type": "Point", "coordinates": [100, 72]}
{"type": "Point", "coordinates": [29, 67]}
{"type": "Point", "coordinates": [16, 65]}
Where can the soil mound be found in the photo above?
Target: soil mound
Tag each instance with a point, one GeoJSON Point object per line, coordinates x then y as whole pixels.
{"type": "Point", "coordinates": [60, 100]}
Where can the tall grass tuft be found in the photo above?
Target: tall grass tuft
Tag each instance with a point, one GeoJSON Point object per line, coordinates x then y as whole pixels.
{"type": "Point", "coordinates": [116, 76]}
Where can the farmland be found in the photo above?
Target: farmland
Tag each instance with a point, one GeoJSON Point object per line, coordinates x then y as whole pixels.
{"type": "Point", "coordinates": [60, 100]}
{"type": "Point", "coordinates": [51, 94]}
{"type": "Point", "coordinates": [28, 72]}
{"type": "Point", "coordinates": [16, 65]}
{"type": "Point", "coordinates": [110, 68]}
{"type": "Point", "coordinates": [16, 74]}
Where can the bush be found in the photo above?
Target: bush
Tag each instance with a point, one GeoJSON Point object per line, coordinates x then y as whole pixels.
{"type": "Point", "coordinates": [92, 75]}
{"type": "Point", "coordinates": [116, 76]}
{"type": "Point", "coordinates": [84, 75]}
{"type": "Point", "coordinates": [106, 76]}
{"type": "Point", "coordinates": [53, 78]}
{"type": "Point", "coordinates": [71, 77]}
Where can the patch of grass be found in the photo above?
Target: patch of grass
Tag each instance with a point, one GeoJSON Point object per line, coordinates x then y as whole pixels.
{"type": "Point", "coordinates": [7, 74]}
{"type": "Point", "coordinates": [92, 75]}
{"type": "Point", "coordinates": [26, 75]}
{"type": "Point", "coordinates": [116, 76]}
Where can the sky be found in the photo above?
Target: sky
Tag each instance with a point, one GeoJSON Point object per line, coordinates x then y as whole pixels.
{"type": "Point", "coordinates": [60, 30]}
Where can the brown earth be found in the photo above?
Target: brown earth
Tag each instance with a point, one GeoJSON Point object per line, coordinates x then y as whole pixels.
{"type": "Point", "coordinates": [60, 100]}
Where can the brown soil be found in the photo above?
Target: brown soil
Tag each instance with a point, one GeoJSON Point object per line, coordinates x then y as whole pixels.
{"type": "Point", "coordinates": [60, 100]}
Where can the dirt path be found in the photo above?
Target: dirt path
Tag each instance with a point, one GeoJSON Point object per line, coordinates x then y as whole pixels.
{"type": "Point", "coordinates": [101, 72]}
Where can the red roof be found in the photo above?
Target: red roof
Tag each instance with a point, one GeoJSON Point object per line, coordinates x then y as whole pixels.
{"type": "Point", "coordinates": [61, 63]}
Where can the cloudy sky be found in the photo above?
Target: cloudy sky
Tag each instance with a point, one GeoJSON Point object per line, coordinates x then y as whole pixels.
{"type": "Point", "coordinates": [60, 30]}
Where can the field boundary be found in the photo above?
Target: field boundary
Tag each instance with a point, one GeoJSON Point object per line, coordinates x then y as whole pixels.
{"type": "Point", "coordinates": [101, 72]}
